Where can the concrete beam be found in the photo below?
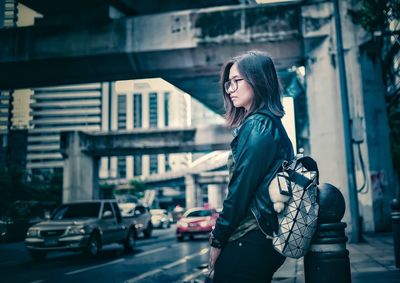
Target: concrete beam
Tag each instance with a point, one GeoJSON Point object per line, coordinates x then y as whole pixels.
{"type": "Point", "coordinates": [150, 141]}
{"type": "Point", "coordinates": [178, 46]}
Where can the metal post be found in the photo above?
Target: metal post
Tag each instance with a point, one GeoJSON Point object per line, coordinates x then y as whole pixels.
{"type": "Point", "coordinates": [355, 219]}
{"type": "Point", "coordinates": [396, 230]}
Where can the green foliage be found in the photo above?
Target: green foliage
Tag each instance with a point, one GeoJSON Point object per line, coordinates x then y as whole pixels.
{"type": "Point", "coordinates": [138, 187]}
{"type": "Point", "coordinates": [134, 188]}
{"type": "Point", "coordinates": [15, 187]}
{"type": "Point", "coordinates": [375, 16]}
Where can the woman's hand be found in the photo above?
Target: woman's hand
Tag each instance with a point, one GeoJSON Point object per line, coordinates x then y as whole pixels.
{"type": "Point", "coordinates": [214, 254]}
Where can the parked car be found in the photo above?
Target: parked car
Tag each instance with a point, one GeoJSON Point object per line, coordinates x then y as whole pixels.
{"type": "Point", "coordinates": [140, 215]}
{"type": "Point", "coordinates": [160, 218]}
{"type": "Point", "coordinates": [25, 214]}
{"type": "Point", "coordinates": [85, 226]}
{"type": "Point", "coordinates": [196, 221]}
{"type": "Point", "coordinates": [3, 230]}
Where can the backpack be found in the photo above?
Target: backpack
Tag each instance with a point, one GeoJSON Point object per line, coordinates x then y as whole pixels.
{"type": "Point", "coordinates": [297, 181]}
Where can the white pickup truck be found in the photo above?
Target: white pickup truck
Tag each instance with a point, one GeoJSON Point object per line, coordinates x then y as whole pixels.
{"type": "Point", "coordinates": [86, 226]}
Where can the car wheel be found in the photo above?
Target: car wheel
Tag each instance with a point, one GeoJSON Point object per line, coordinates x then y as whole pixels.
{"type": "Point", "coordinates": [37, 255]}
{"type": "Point", "coordinates": [130, 241]}
{"type": "Point", "coordinates": [180, 238]}
{"type": "Point", "coordinates": [149, 230]}
{"type": "Point", "coordinates": [191, 237]}
{"type": "Point", "coordinates": [93, 246]}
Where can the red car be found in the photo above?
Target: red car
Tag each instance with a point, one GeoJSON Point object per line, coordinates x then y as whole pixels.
{"type": "Point", "coordinates": [196, 221]}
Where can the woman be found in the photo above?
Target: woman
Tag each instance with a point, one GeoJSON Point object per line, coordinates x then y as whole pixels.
{"type": "Point", "coordinates": [241, 245]}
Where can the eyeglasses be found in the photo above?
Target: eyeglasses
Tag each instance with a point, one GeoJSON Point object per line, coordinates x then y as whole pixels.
{"type": "Point", "coordinates": [231, 85]}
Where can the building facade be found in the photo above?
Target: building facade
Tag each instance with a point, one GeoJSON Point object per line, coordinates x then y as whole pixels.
{"type": "Point", "coordinates": [118, 106]}
{"type": "Point", "coordinates": [145, 104]}
{"type": "Point", "coordinates": [56, 109]}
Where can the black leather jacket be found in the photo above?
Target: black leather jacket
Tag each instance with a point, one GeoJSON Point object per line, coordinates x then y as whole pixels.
{"type": "Point", "coordinates": [258, 150]}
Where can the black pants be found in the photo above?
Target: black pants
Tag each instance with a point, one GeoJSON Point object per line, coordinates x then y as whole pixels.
{"type": "Point", "coordinates": [251, 259]}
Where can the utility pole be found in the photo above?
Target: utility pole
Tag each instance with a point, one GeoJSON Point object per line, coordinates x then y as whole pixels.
{"type": "Point", "coordinates": [355, 218]}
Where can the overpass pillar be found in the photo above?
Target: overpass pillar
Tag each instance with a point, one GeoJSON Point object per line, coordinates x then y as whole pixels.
{"type": "Point", "coordinates": [80, 179]}
{"type": "Point", "coordinates": [368, 119]}
{"type": "Point", "coordinates": [192, 191]}
{"type": "Point", "coordinates": [216, 195]}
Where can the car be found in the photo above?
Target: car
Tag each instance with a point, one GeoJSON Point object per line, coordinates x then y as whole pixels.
{"type": "Point", "coordinates": [160, 218]}
{"type": "Point", "coordinates": [140, 215]}
{"type": "Point", "coordinates": [85, 226]}
{"type": "Point", "coordinates": [196, 221]}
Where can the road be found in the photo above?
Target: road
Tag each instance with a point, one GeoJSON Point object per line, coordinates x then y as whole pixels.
{"type": "Point", "coordinates": [158, 259]}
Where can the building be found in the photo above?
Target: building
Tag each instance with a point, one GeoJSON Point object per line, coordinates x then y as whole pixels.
{"type": "Point", "coordinates": [119, 106]}
{"type": "Point", "coordinates": [56, 109]}
{"type": "Point", "coordinates": [15, 114]}
{"type": "Point", "coordinates": [145, 104]}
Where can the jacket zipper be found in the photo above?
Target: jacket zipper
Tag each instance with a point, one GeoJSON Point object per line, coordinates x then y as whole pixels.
{"type": "Point", "coordinates": [258, 223]}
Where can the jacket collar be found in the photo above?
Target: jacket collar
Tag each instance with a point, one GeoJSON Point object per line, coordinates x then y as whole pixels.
{"type": "Point", "coordinates": [263, 110]}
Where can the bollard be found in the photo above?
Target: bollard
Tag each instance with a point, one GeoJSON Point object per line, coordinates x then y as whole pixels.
{"type": "Point", "coordinates": [395, 205]}
{"type": "Point", "coordinates": [327, 260]}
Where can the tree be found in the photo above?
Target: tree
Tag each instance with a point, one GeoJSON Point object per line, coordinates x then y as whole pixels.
{"type": "Point", "coordinates": [15, 186]}
{"type": "Point", "coordinates": [138, 187]}
{"type": "Point", "coordinates": [381, 19]}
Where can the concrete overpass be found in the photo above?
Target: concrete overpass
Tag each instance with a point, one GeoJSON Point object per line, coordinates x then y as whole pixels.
{"type": "Point", "coordinates": [187, 48]}
{"type": "Point", "coordinates": [83, 150]}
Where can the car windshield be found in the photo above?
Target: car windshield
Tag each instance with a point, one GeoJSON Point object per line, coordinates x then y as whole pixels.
{"type": "Point", "coordinates": [199, 213]}
{"type": "Point", "coordinates": [77, 210]}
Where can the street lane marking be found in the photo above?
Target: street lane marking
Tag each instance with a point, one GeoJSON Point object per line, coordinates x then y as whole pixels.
{"type": "Point", "coordinates": [166, 267]}
{"type": "Point", "coordinates": [112, 262]}
{"type": "Point", "coordinates": [144, 275]}
{"type": "Point", "coordinates": [151, 252]}
{"type": "Point", "coordinates": [192, 276]}
{"type": "Point", "coordinates": [95, 266]}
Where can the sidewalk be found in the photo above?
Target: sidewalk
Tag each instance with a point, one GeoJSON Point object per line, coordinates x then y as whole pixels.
{"type": "Point", "coordinates": [370, 261]}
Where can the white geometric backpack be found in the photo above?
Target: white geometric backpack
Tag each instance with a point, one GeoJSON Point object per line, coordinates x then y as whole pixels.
{"type": "Point", "coordinates": [294, 194]}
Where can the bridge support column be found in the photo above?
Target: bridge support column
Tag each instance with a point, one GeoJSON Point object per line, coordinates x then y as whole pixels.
{"type": "Point", "coordinates": [215, 196]}
{"type": "Point", "coordinates": [367, 110]}
{"type": "Point", "coordinates": [192, 191]}
{"type": "Point", "coordinates": [80, 179]}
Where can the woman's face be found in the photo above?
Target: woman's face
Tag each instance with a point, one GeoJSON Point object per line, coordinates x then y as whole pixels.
{"type": "Point", "coordinates": [243, 95]}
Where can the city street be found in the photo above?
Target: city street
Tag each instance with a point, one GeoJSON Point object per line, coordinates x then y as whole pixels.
{"type": "Point", "coordinates": [158, 259]}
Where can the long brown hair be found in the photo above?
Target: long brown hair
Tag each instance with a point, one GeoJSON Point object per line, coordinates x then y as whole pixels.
{"type": "Point", "coordinates": [258, 69]}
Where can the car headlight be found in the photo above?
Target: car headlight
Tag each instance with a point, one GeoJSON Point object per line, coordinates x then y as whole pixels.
{"type": "Point", "coordinates": [75, 230]}
{"type": "Point", "coordinates": [182, 224]}
{"type": "Point", "coordinates": [33, 232]}
{"type": "Point", "coordinates": [205, 223]}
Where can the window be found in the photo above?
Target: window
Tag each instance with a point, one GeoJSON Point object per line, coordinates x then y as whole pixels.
{"type": "Point", "coordinates": [121, 105]}
{"type": "Point", "coordinates": [166, 108]}
{"type": "Point", "coordinates": [78, 210]}
{"type": "Point", "coordinates": [117, 212]}
{"type": "Point", "coordinates": [107, 207]}
{"type": "Point", "coordinates": [153, 110]}
{"type": "Point", "coordinates": [167, 165]}
{"type": "Point", "coordinates": [137, 110]}
{"type": "Point", "coordinates": [199, 213]}
{"type": "Point", "coordinates": [153, 164]}
{"type": "Point", "coordinates": [121, 166]}
{"type": "Point", "coordinates": [137, 165]}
